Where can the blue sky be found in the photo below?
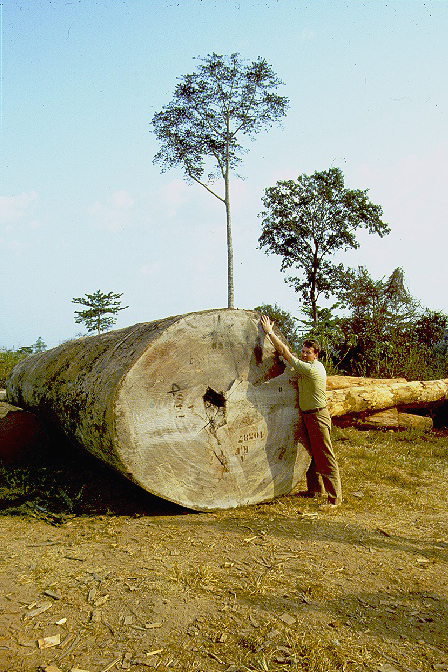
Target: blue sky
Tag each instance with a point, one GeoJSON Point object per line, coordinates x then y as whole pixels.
{"type": "Point", "coordinates": [83, 208]}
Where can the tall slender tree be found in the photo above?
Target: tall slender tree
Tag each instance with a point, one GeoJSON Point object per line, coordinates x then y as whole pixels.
{"type": "Point", "coordinates": [200, 130]}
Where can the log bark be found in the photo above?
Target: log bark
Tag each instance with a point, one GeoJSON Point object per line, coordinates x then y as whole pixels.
{"type": "Point", "coordinates": [391, 418]}
{"type": "Point", "coordinates": [412, 394]}
{"type": "Point", "coordinates": [197, 408]}
{"type": "Point", "coordinates": [342, 382]}
{"type": "Point", "coordinates": [23, 437]}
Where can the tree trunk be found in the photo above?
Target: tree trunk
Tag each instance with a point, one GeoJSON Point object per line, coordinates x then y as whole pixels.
{"type": "Point", "coordinates": [391, 418]}
{"type": "Point", "coordinates": [230, 279]}
{"type": "Point", "coordinates": [197, 409]}
{"type": "Point", "coordinates": [342, 382]}
{"type": "Point", "coordinates": [23, 437]}
{"type": "Point", "coordinates": [377, 397]}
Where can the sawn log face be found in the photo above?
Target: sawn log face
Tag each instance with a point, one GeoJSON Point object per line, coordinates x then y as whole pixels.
{"type": "Point", "coordinates": [196, 408]}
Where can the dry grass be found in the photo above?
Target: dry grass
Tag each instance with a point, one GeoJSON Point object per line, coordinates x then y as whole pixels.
{"type": "Point", "coordinates": [267, 588]}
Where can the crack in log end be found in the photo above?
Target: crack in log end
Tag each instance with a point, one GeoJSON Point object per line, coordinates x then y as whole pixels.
{"type": "Point", "coordinates": [215, 408]}
{"type": "Point", "coordinates": [213, 398]}
{"type": "Point", "coordinates": [258, 351]}
{"type": "Point", "coordinates": [277, 368]}
{"type": "Point", "coordinates": [223, 461]}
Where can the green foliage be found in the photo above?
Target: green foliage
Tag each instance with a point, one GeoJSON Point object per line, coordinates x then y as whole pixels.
{"type": "Point", "coordinates": [386, 334]}
{"type": "Point", "coordinates": [327, 332]}
{"type": "Point", "coordinates": [9, 358]}
{"type": "Point", "coordinates": [306, 221]}
{"type": "Point", "coordinates": [200, 129]}
{"type": "Point", "coordinates": [100, 312]}
{"type": "Point", "coordinates": [285, 322]}
{"type": "Point", "coordinates": [39, 345]}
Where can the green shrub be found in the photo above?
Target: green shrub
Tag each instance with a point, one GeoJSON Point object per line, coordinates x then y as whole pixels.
{"type": "Point", "coordinates": [8, 360]}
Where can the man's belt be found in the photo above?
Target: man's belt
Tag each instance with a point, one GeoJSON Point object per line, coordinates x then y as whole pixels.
{"type": "Point", "coordinates": [313, 410]}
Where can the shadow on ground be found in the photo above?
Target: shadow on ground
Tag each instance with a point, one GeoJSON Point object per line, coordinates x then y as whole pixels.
{"type": "Point", "coordinates": [62, 480]}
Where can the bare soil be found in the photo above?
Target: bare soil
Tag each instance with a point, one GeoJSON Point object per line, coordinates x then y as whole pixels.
{"type": "Point", "coordinates": [107, 577]}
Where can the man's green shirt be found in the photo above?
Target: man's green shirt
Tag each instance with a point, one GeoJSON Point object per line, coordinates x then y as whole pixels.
{"type": "Point", "coordinates": [312, 382]}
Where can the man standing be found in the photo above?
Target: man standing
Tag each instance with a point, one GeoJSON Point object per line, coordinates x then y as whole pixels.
{"type": "Point", "coordinates": [312, 380]}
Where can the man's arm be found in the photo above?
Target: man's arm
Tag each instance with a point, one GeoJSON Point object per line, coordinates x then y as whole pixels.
{"type": "Point", "coordinates": [281, 348]}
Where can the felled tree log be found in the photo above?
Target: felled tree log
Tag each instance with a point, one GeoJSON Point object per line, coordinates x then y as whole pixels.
{"type": "Point", "coordinates": [197, 408]}
{"type": "Point", "coordinates": [342, 382]}
{"type": "Point", "coordinates": [412, 394]}
{"type": "Point", "coordinates": [391, 418]}
{"type": "Point", "coordinates": [23, 437]}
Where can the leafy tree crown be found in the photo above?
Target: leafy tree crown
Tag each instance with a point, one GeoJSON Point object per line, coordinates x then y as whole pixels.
{"type": "Point", "coordinates": [308, 220]}
{"type": "Point", "coordinates": [100, 310]}
{"type": "Point", "coordinates": [225, 98]}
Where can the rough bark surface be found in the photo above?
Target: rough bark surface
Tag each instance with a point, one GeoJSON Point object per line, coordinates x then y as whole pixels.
{"type": "Point", "coordinates": [196, 408]}
{"type": "Point", "coordinates": [391, 418]}
{"type": "Point", "coordinates": [23, 436]}
{"type": "Point", "coordinates": [342, 382]}
{"type": "Point", "coordinates": [412, 394]}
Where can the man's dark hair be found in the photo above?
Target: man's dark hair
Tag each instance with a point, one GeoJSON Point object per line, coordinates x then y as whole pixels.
{"type": "Point", "coordinates": [312, 344]}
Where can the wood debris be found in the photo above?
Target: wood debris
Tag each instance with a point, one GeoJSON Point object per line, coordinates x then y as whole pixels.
{"type": "Point", "coordinates": [40, 609]}
{"type": "Point", "coordinates": [48, 642]}
{"type": "Point", "coordinates": [55, 594]}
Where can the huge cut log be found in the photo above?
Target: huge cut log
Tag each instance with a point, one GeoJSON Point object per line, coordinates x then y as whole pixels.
{"type": "Point", "coordinates": [197, 409]}
{"type": "Point", "coordinates": [412, 394]}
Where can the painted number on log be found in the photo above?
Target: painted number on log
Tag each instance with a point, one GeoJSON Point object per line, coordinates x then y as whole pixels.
{"type": "Point", "coordinates": [245, 440]}
{"type": "Point", "coordinates": [178, 400]}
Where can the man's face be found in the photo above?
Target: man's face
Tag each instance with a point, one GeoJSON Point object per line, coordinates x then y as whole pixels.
{"type": "Point", "coordinates": [308, 354]}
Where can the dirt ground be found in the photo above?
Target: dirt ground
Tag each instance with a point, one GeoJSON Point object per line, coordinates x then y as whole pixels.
{"type": "Point", "coordinates": [138, 583]}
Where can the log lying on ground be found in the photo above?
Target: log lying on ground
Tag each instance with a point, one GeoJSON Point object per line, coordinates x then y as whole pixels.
{"type": "Point", "coordinates": [197, 408]}
{"type": "Point", "coordinates": [414, 394]}
{"type": "Point", "coordinates": [388, 419]}
{"type": "Point", "coordinates": [342, 382]}
{"type": "Point", "coordinates": [23, 437]}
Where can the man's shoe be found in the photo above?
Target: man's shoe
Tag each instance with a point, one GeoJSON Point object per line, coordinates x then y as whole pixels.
{"type": "Point", "coordinates": [329, 507]}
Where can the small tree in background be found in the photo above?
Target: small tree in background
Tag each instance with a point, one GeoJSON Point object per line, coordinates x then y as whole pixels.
{"type": "Point", "coordinates": [201, 128]}
{"type": "Point", "coordinates": [307, 221]}
{"type": "Point", "coordinates": [39, 345]}
{"type": "Point", "coordinates": [100, 310]}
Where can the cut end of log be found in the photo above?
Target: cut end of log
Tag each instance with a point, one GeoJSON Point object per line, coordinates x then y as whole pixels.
{"type": "Point", "coordinates": [212, 425]}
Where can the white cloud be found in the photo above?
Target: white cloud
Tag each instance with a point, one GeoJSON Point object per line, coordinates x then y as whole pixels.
{"type": "Point", "coordinates": [150, 269]}
{"type": "Point", "coordinates": [306, 34]}
{"type": "Point", "coordinates": [115, 214]}
{"type": "Point", "coordinates": [173, 195]}
{"type": "Point", "coordinates": [12, 208]}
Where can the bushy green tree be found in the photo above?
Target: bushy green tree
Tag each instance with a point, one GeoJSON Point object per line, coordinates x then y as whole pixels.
{"type": "Point", "coordinates": [307, 221]}
{"type": "Point", "coordinates": [100, 310]}
{"type": "Point", "coordinates": [39, 345]}
{"type": "Point", "coordinates": [8, 360]}
{"type": "Point", "coordinates": [213, 109]}
{"type": "Point", "coordinates": [386, 333]}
